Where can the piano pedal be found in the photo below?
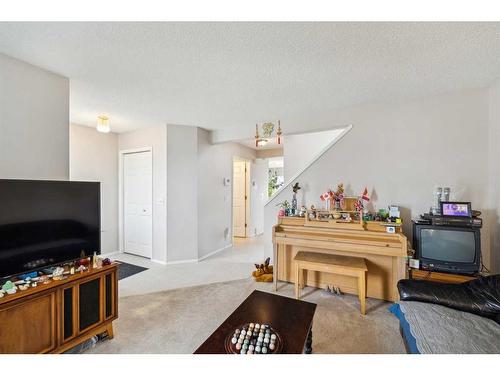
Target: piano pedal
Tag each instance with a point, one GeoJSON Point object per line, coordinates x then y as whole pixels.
{"type": "Point", "coordinates": [336, 290]}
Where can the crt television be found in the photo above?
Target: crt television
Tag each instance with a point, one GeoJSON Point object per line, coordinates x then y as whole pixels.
{"type": "Point", "coordinates": [447, 248]}
{"type": "Point", "coordinates": [43, 223]}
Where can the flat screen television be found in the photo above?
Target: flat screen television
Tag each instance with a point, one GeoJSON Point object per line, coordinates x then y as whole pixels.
{"type": "Point", "coordinates": [43, 223]}
{"type": "Point", "coordinates": [447, 249]}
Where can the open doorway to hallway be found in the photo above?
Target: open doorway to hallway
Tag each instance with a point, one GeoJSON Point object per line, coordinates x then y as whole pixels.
{"type": "Point", "coordinates": [276, 176]}
{"type": "Point", "coordinates": [241, 195]}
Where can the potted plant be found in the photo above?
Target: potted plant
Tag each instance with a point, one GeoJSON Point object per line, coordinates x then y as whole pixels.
{"type": "Point", "coordinates": [284, 208]}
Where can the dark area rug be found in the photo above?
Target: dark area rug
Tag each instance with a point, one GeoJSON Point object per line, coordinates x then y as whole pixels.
{"type": "Point", "coordinates": [126, 269]}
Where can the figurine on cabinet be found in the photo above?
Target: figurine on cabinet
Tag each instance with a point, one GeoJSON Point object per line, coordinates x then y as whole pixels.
{"type": "Point", "coordinates": [284, 208]}
{"type": "Point", "coordinates": [9, 287]}
{"type": "Point", "coordinates": [106, 262]}
{"type": "Point", "coordinates": [295, 189]}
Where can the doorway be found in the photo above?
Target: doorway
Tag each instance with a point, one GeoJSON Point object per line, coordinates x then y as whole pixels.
{"type": "Point", "coordinates": [137, 202]}
{"type": "Point", "coordinates": [241, 192]}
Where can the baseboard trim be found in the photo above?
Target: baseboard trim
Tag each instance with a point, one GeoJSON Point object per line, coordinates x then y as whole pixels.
{"type": "Point", "coordinates": [163, 263]}
{"type": "Point", "coordinates": [215, 252]}
{"type": "Point", "coordinates": [253, 235]}
{"type": "Point", "coordinates": [181, 261]}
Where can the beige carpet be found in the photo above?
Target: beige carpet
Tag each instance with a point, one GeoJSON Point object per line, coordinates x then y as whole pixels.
{"type": "Point", "coordinates": [178, 321]}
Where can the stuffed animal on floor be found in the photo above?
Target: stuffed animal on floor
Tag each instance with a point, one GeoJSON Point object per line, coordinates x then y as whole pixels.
{"type": "Point", "coordinates": [264, 272]}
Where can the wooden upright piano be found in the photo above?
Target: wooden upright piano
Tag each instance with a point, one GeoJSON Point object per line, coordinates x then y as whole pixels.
{"type": "Point", "coordinates": [385, 255]}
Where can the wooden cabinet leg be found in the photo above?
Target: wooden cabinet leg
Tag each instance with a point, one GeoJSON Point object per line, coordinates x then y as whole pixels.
{"type": "Point", "coordinates": [304, 278]}
{"type": "Point", "coordinates": [362, 292]}
{"type": "Point", "coordinates": [109, 330]}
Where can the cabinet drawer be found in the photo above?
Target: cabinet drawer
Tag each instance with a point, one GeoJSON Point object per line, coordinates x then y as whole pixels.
{"type": "Point", "coordinates": [30, 326]}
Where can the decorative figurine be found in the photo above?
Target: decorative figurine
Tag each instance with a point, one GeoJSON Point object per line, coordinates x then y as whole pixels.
{"type": "Point", "coordinates": [83, 262]}
{"type": "Point", "coordinates": [264, 272]}
{"type": "Point", "coordinates": [312, 214]}
{"type": "Point", "coordinates": [295, 189]}
{"type": "Point", "coordinates": [339, 197]}
{"type": "Point", "coordinates": [284, 208]}
{"type": "Point", "coordinates": [334, 200]}
{"type": "Point", "coordinates": [9, 287]}
{"type": "Point", "coordinates": [346, 217]}
{"type": "Point", "coordinates": [58, 273]}
{"type": "Point", "coordinates": [359, 205]}
{"type": "Point", "coordinates": [44, 279]}
{"type": "Point", "coordinates": [303, 211]}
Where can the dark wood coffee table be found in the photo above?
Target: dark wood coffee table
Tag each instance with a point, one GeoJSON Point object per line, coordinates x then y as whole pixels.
{"type": "Point", "coordinates": [291, 318]}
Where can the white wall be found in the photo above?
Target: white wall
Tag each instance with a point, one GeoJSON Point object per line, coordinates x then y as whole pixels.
{"type": "Point", "coordinates": [300, 149]}
{"type": "Point", "coordinates": [258, 195]}
{"type": "Point", "coordinates": [401, 151]}
{"type": "Point", "coordinates": [155, 137]}
{"type": "Point", "coordinates": [494, 155]}
{"type": "Point", "coordinates": [214, 199]}
{"type": "Point", "coordinates": [34, 118]}
{"type": "Point", "coordinates": [188, 175]}
{"type": "Point", "coordinates": [94, 157]}
{"type": "Point", "coordinates": [182, 197]}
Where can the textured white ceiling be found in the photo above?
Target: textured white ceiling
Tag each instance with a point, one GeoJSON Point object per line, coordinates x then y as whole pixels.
{"type": "Point", "coordinates": [225, 75]}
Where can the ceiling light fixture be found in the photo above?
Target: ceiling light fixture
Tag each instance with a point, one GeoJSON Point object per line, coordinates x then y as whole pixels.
{"type": "Point", "coordinates": [267, 130]}
{"type": "Point", "coordinates": [103, 124]}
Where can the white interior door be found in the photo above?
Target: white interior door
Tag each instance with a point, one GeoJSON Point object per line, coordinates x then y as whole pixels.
{"type": "Point", "coordinates": [137, 203]}
{"type": "Point", "coordinates": [239, 199]}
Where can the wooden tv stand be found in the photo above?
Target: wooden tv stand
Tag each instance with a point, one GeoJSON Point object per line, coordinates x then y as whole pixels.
{"type": "Point", "coordinates": [54, 317]}
{"type": "Point", "coordinates": [440, 277]}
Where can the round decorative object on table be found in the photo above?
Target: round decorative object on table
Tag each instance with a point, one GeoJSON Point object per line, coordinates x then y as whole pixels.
{"type": "Point", "coordinates": [272, 344]}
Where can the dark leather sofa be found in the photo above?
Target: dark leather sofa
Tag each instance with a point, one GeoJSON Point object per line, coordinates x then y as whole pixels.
{"type": "Point", "coordinates": [449, 318]}
{"type": "Point", "coordinates": [480, 296]}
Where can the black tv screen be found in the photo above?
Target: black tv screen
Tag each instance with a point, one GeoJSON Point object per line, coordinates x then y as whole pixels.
{"type": "Point", "coordinates": [43, 223]}
{"type": "Point", "coordinates": [447, 248]}
{"type": "Point", "coordinates": [448, 245]}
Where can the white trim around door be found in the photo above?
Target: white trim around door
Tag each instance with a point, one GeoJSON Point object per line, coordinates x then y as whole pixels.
{"type": "Point", "coordinates": [121, 231]}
